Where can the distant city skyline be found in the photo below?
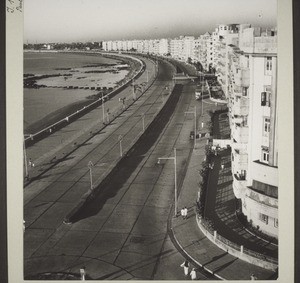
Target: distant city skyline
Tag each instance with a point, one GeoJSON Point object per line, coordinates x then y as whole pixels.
{"type": "Point", "coordinates": [48, 21]}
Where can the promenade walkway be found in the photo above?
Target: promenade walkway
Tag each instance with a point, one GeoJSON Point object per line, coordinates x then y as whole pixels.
{"type": "Point", "coordinates": [220, 208]}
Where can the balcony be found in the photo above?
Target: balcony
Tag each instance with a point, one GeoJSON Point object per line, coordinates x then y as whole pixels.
{"type": "Point", "coordinates": [240, 133]}
{"type": "Point", "coordinates": [240, 158]}
{"type": "Point", "coordinates": [242, 78]}
{"type": "Point", "coordinates": [241, 106]}
{"type": "Point", "coordinates": [239, 186]}
{"type": "Point", "coordinates": [265, 173]}
{"type": "Point", "coordinates": [237, 90]}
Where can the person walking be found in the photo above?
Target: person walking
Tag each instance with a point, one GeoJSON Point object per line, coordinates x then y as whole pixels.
{"type": "Point", "coordinates": [185, 266]}
{"type": "Point", "coordinates": [30, 162]}
{"type": "Point", "coordinates": [193, 274]}
{"type": "Point", "coordinates": [185, 212]}
{"type": "Point", "coordinates": [182, 213]}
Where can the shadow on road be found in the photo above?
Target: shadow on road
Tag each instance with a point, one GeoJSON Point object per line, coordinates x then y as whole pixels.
{"type": "Point", "coordinates": [119, 175]}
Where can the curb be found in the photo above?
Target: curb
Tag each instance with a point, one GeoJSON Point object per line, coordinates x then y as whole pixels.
{"type": "Point", "coordinates": [173, 237]}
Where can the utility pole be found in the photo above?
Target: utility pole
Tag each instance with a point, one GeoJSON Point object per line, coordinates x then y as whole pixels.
{"type": "Point", "coordinates": [175, 177]}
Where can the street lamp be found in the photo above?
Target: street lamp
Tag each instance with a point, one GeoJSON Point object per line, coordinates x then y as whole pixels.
{"type": "Point", "coordinates": [90, 166]}
{"type": "Point", "coordinates": [103, 111]}
{"type": "Point", "coordinates": [202, 81]}
{"type": "Point", "coordinates": [175, 176]}
{"type": "Point", "coordinates": [133, 90]}
{"type": "Point", "coordinates": [195, 131]}
{"type": "Point", "coordinates": [120, 140]}
{"type": "Point", "coordinates": [143, 121]}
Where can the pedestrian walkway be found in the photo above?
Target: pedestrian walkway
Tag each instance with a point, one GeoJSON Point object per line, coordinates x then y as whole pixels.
{"type": "Point", "coordinates": [190, 238]}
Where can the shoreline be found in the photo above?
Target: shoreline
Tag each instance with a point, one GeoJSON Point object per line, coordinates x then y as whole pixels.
{"type": "Point", "coordinates": [57, 115]}
{"type": "Point", "coordinates": [69, 109]}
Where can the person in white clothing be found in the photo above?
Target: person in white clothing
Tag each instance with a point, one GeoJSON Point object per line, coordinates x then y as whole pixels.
{"type": "Point", "coordinates": [185, 266]}
{"type": "Point", "coordinates": [193, 274]}
{"type": "Point", "coordinates": [185, 212]}
{"type": "Point", "coordinates": [182, 213]}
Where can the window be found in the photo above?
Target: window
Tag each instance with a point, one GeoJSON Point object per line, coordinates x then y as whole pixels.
{"type": "Point", "coordinates": [266, 97]}
{"type": "Point", "coordinates": [266, 127]}
{"type": "Point", "coordinates": [275, 222]}
{"type": "Point", "coordinates": [245, 91]}
{"type": "Point", "coordinates": [268, 66]}
{"type": "Point", "coordinates": [263, 98]}
{"type": "Point", "coordinates": [264, 218]}
{"type": "Point", "coordinates": [243, 174]}
{"type": "Point", "coordinates": [265, 154]}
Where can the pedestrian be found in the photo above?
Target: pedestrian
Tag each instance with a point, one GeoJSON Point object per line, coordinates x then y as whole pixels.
{"type": "Point", "coordinates": [222, 166]}
{"type": "Point", "coordinates": [82, 273]}
{"type": "Point", "coordinates": [185, 266]}
{"type": "Point", "coordinates": [185, 212]}
{"type": "Point", "coordinates": [193, 274]}
{"type": "Point", "coordinates": [30, 162]}
{"type": "Point", "coordinates": [182, 213]}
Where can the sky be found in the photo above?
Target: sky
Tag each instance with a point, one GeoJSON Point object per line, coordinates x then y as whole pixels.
{"type": "Point", "coordinates": [98, 20]}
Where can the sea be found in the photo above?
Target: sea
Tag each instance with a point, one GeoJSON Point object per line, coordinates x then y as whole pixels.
{"type": "Point", "coordinates": [56, 70]}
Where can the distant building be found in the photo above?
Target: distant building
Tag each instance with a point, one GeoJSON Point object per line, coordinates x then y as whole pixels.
{"type": "Point", "coordinates": [163, 48]}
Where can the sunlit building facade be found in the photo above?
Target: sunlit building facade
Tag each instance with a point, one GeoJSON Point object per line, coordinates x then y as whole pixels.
{"type": "Point", "coordinates": [252, 97]}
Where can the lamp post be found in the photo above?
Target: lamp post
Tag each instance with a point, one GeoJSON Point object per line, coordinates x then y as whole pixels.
{"type": "Point", "coordinates": [133, 90]}
{"type": "Point", "coordinates": [195, 124]}
{"type": "Point", "coordinates": [120, 140]}
{"type": "Point", "coordinates": [90, 166]}
{"type": "Point", "coordinates": [175, 176]}
{"type": "Point", "coordinates": [143, 121]}
{"type": "Point", "coordinates": [103, 111]}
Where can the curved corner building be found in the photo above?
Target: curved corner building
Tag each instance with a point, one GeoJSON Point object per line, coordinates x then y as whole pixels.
{"type": "Point", "coordinates": [252, 95]}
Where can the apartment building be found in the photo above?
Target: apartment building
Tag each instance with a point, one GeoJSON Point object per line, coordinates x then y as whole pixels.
{"type": "Point", "coordinates": [253, 106]}
{"type": "Point", "coordinates": [188, 44]}
{"type": "Point", "coordinates": [163, 48]}
{"type": "Point", "coordinates": [176, 48]}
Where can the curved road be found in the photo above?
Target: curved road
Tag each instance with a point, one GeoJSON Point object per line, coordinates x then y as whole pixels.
{"type": "Point", "coordinates": [122, 233]}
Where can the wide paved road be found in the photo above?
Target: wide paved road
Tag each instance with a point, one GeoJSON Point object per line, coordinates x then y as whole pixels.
{"type": "Point", "coordinates": [123, 233]}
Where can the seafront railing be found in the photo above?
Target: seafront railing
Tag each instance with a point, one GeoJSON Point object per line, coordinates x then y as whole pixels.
{"type": "Point", "coordinates": [32, 138]}
{"type": "Point", "coordinates": [232, 248]}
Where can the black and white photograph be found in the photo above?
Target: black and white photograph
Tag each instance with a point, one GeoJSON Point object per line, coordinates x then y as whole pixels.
{"type": "Point", "coordinates": [151, 140]}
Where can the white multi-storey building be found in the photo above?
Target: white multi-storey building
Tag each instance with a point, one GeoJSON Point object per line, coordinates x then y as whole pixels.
{"type": "Point", "coordinates": [176, 48]}
{"type": "Point", "coordinates": [163, 46]}
{"type": "Point", "coordinates": [188, 43]}
{"type": "Point", "coordinates": [253, 117]}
